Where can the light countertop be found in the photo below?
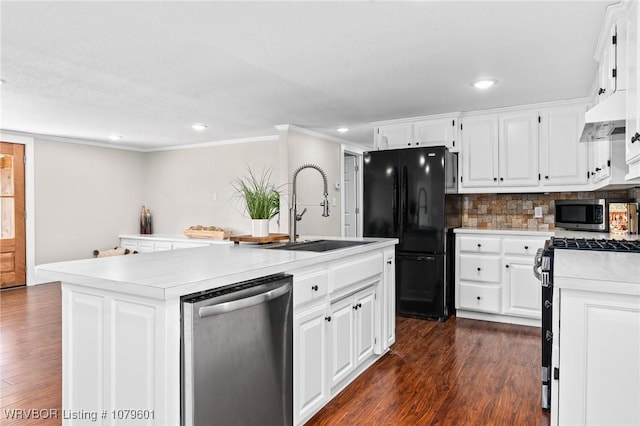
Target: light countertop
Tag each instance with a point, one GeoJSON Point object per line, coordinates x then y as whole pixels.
{"type": "Point", "coordinates": [168, 274]}
{"type": "Point", "coordinates": [557, 232]}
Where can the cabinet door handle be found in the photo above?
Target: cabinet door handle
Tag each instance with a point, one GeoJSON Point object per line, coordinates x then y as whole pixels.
{"type": "Point", "coordinates": [546, 177]}
{"type": "Point", "coordinates": [479, 269]}
{"type": "Point", "coordinates": [355, 307]}
{"type": "Point", "coordinates": [328, 319]}
{"type": "Point", "coordinates": [495, 179]}
{"type": "Point", "coordinates": [501, 179]}
{"type": "Point", "coordinates": [389, 262]}
{"type": "Point", "coordinates": [314, 287]}
{"type": "Point", "coordinates": [506, 266]}
{"type": "Point", "coordinates": [635, 137]}
{"type": "Point", "coordinates": [601, 91]}
{"type": "Point", "coordinates": [526, 247]}
{"type": "Point", "coordinates": [359, 305]}
{"type": "Point", "coordinates": [479, 245]}
{"type": "Point", "coordinates": [478, 297]}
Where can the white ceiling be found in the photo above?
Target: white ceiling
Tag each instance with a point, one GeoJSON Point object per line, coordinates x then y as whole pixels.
{"type": "Point", "coordinates": [149, 70]}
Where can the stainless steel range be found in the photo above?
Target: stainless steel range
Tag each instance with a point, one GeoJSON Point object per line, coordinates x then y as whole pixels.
{"type": "Point", "coordinates": [543, 270]}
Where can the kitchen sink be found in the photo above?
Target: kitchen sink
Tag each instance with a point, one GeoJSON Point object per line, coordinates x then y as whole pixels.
{"type": "Point", "coordinates": [318, 245]}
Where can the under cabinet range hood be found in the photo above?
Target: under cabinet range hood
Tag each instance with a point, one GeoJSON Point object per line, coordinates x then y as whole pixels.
{"type": "Point", "coordinates": [606, 120]}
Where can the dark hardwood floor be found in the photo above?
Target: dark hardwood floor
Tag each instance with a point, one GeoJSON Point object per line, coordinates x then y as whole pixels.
{"type": "Point", "coordinates": [31, 353]}
{"type": "Point", "coordinates": [461, 372]}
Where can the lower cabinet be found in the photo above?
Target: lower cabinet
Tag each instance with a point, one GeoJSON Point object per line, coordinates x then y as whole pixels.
{"type": "Point", "coordinates": [494, 275]}
{"type": "Point", "coordinates": [310, 387]}
{"type": "Point", "coordinates": [146, 244]}
{"type": "Point", "coordinates": [598, 374]}
{"type": "Point", "coordinates": [352, 334]}
{"type": "Point", "coordinates": [339, 327]}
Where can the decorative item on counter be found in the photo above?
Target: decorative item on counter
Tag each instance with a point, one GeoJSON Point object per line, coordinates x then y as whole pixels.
{"type": "Point", "coordinates": [262, 200]}
{"type": "Point", "coordinates": [145, 221]}
{"type": "Point", "coordinates": [116, 251]}
{"type": "Point", "coordinates": [213, 232]}
{"type": "Point", "coordinates": [623, 218]}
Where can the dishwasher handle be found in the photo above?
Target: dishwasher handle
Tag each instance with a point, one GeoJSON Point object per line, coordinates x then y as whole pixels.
{"type": "Point", "coordinates": [234, 305]}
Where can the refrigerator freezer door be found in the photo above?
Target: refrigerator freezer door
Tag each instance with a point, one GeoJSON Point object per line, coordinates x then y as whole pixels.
{"type": "Point", "coordinates": [380, 193]}
{"type": "Point", "coordinates": [422, 289]}
{"type": "Point", "coordinates": [422, 217]}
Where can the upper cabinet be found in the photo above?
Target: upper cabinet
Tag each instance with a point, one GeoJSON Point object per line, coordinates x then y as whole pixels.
{"type": "Point", "coordinates": [524, 150]}
{"type": "Point", "coordinates": [563, 160]}
{"type": "Point", "coordinates": [500, 150]}
{"type": "Point", "coordinates": [419, 131]}
{"type": "Point", "coordinates": [632, 134]}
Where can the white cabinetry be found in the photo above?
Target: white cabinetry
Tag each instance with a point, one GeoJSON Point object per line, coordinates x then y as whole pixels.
{"type": "Point", "coordinates": [596, 338]}
{"type": "Point", "coordinates": [310, 387]}
{"type": "Point", "coordinates": [563, 159]}
{"type": "Point", "coordinates": [418, 131]}
{"type": "Point", "coordinates": [522, 291]}
{"type": "Point", "coordinates": [150, 243]}
{"type": "Point", "coordinates": [632, 134]}
{"type": "Point", "coordinates": [494, 278]}
{"type": "Point", "coordinates": [352, 333]}
{"type": "Point", "coordinates": [500, 150]}
{"type": "Point", "coordinates": [479, 152]}
{"type": "Point", "coordinates": [343, 318]}
{"type": "Point", "coordinates": [518, 149]}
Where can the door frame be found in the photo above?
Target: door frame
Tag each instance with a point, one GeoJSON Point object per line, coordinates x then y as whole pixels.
{"type": "Point", "coordinates": [29, 189]}
{"type": "Point", "coordinates": [355, 152]}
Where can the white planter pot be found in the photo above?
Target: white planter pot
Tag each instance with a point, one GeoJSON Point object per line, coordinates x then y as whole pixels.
{"type": "Point", "coordinates": [259, 227]}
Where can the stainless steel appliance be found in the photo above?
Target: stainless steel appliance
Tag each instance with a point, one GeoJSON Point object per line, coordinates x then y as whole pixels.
{"type": "Point", "coordinates": [582, 215]}
{"type": "Point", "coordinates": [404, 197]}
{"type": "Point", "coordinates": [543, 270]}
{"type": "Point", "coordinates": [237, 352]}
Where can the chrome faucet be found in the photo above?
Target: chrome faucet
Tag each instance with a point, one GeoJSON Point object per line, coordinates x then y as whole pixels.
{"type": "Point", "coordinates": [294, 217]}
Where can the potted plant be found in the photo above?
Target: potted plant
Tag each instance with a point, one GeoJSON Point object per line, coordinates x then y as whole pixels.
{"type": "Point", "coordinates": [262, 200]}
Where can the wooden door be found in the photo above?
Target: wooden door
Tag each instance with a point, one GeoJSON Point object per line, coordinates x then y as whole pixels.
{"type": "Point", "coordinates": [12, 226]}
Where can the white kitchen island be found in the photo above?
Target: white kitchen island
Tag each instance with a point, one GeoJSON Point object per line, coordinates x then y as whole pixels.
{"type": "Point", "coordinates": [596, 338]}
{"type": "Point", "coordinates": [121, 323]}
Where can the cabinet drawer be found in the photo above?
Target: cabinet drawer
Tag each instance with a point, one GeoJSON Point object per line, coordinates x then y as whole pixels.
{"type": "Point", "coordinates": [309, 287]}
{"type": "Point", "coordinates": [352, 272]}
{"type": "Point", "coordinates": [480, 244]}
{"type": "Point", "coordinates": [522, 246]}
{"type": "Point", "coordinates": [480, 297]}
{"type": "Point", "coordinates": [480, 268]}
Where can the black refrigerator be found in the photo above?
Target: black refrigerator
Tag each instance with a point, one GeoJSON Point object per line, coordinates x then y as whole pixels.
{"type": "Point", "coordinates": [405, 196]}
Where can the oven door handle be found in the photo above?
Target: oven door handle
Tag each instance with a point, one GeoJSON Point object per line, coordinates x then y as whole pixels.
{"type": "Point", "coordinates": [537, 264]}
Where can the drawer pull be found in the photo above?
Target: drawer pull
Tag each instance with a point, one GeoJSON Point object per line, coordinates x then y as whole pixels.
{"type": "Point", "coordinates": [479, 269]}
{"type": "Point", "coordinates": [478, 297]}
{"type": "Point", "coordinates": [479, 245]}
{"type": "Point", "coordinates": [526, 247]}
{"type": "Point", "coordinates": [328, 319]}
{"type": "Point", "coordinates": [506, 266]}
{"type": "Point", "coordinates": [314, 287]}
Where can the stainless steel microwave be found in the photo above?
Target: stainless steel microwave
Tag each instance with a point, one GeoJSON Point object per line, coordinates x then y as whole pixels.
{"type": "Point", "coordinates": [582, 215]}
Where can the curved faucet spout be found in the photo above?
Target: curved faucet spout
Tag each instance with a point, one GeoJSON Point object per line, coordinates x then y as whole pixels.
{"type": "Point", "coordinates": [293, 210]}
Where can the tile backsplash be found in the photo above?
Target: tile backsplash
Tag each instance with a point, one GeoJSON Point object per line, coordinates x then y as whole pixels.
{"type": "Point", "coordinates": [516, 211]}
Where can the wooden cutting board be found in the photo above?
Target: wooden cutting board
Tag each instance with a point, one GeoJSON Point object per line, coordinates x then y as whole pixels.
{"type": "Point", "coordinates": [260, 240]}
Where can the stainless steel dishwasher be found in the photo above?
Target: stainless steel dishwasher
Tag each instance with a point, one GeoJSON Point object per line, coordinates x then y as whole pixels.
{"type": "Point", "coordinates": [237, 352]}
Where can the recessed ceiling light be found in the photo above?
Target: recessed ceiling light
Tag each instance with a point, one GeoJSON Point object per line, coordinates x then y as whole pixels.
{"type": "Point", "coordinates": [343, 129]}
{"type": "Point", "coordinates": [115, 137]}
{"type": "Point", "coordinates": [483, 84]}
{"type": "Point", "coordinates": [199, 126]}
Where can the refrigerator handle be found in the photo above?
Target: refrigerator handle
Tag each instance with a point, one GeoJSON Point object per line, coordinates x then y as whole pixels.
{"type": "Point", "coordinates": [404, 195]}
{"type": "Point", "coordinates": [394, 200]}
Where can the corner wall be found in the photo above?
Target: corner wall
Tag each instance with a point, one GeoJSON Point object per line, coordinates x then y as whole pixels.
{"type": "Point", "coordinates": [85, 196]}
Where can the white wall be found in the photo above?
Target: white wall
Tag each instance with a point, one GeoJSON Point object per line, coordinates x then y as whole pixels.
{"type": "Point", "coordinates": [85, 196]}
{"type": "Point", "coordinates": [179, 185]}
{"type": "Point", "coordinates": [305, 148]}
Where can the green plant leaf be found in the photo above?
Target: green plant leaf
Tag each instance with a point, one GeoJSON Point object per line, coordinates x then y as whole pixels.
{"type": "Point", "coordinates": [261, 197]}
